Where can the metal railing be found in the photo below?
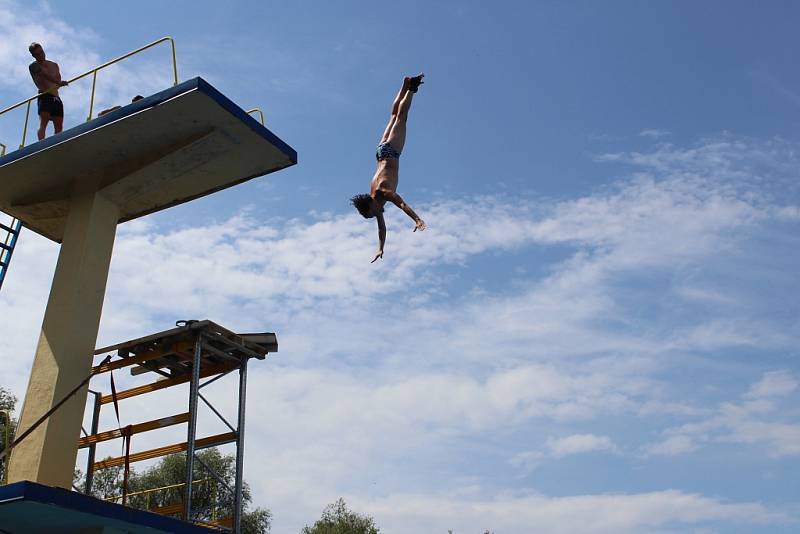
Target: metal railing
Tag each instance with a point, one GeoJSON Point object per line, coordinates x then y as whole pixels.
{"type": "Point", "coordinates": [176, 507]}
{"type": "Point", "coordinates": [260, 113]}
{"type": "Point", "coordinates": [93, 72]}
{"type": "Point", "coordinates": [147, 492]}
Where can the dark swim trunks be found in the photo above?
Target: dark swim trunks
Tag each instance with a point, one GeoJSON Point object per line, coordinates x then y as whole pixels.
{"type": "Point", "coordinates": [386, 151]}
{"type": "Point", "coordinates": [51, 104]}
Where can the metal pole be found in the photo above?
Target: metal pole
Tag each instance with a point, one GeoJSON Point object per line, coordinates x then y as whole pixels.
{"type": "Point", "coordinates": [174, 61]}
{"type": "Point", "coordinates": [237, 501]}
{"type": "Point", "coordinates": [25, 129]}
{"type": "Point", "coordinates": [91, 102]}
{"type": "Point", "coordinates": [192, 432]}
{"type": "Point", "coordinates": [95, 424]}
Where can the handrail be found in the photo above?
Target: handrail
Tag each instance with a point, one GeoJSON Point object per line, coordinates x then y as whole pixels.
{"type": "Point", "coordinates": [250, 112]}
{"type": "Point", "coordinates": [94, 81]}
{"type": "Point", "coordinates": [3, 153]}
{"type": "Point", "coordinates": [113, 498]}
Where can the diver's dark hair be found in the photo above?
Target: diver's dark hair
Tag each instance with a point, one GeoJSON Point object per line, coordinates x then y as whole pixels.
{"type": "Point", "coordinates": [363, 203]}
{"type": "Point", "coordinates": [33, 46]}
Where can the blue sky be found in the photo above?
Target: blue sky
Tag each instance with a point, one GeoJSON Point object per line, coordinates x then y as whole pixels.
{"type": "Point", "coordinates": [598, 331]}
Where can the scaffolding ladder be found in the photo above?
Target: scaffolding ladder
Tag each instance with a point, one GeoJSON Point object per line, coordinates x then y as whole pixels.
{"type": "Point", "coordinates": [9, 236]}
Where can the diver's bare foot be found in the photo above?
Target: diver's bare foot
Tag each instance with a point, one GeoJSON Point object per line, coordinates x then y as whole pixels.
{"type": "Point", "coordinates": [414, 82]}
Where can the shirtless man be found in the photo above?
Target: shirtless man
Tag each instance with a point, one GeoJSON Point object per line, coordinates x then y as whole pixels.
{"type": "Point", "coordinates": [47, 78]}
{"type": "Point", "coordinates": [383, 187]}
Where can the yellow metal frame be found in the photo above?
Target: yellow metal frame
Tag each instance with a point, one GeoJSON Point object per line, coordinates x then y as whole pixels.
{"type": "Point", "coordinates": [94, 72]}
{"type": "Point", "coordinates": [260, 113]}
{"type": "Point", "coordinates": [115, 498]}
{"type": "Point", "coordinates": [148, 492]}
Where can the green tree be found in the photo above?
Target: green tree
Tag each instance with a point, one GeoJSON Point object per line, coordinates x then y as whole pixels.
{"type": "Point", "coordinates": [337, 519]}
{"type": "Point", "coordinates": [7, 404]}
{"type": "Point", "coordinates": [210, 499]}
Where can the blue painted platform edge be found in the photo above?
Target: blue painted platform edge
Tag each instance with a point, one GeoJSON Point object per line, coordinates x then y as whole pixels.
{"type": "Point", "coordinates": [31, 491]}
{"type": "Point", "coordinates": [152, 101]}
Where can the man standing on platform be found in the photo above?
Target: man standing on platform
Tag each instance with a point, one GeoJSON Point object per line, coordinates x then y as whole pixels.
{"type": "Point", "coordinates": [47, 78]}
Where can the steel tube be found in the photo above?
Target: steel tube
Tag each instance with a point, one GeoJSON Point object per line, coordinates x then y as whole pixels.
{"type": "Point", "coordinates": [211, 381]}
{"type": "Point", "coordinates": [237, 502]}
{"type": "Point", "coordinates": [95, 426]}
{"type": "Point", "coordinates": [91, 101]}
{"type": "Point", "coordinates": [216, 412]}
{"type": "Point", "coordinates": [192, 430]}
{"type": "Point", "coordinates": [25, 129]}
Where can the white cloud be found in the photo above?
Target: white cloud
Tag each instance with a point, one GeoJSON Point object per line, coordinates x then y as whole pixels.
{"type": "Point", "coordinates": [773, 384]}
{"type": "Point", "coordinates": [672, 446]}
{"type": "Point", "coordinates": [579, 443]}
{"type": "Point", "coordinates": [527, 461]}
{"type": "Point", "coordinates": [591, 514]}
{"type": "Point", "coordinates": [756, 420]}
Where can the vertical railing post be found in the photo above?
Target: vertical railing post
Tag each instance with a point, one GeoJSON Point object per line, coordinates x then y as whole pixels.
{"type": "Point", "coordinates": [192, 431]}
{"type": "Point", "coordinates": [174, 61]}
{"type": "Point", "coordinates": [92, 448]}
{"type": "Point", "coordinates": [25, 129]}
{"type": "Point", "coordinates": [237, 499]}
{"type": "Point", "coordinates": [91, 101]}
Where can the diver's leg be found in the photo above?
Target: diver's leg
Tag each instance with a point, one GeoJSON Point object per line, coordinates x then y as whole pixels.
{"type": "Point", "coordinates": [395, 108]}
{"type": "Point", "coordinates": [397, 135]}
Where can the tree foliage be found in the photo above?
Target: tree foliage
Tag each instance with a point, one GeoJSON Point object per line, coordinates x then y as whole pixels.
{"type": "Point", "coordinates": [7, 404]}
{"type": "Point", "coordinates": [337, 519]}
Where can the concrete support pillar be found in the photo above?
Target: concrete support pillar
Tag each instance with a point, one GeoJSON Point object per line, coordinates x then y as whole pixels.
{"type": "Point", "coordinates": [67, 341]}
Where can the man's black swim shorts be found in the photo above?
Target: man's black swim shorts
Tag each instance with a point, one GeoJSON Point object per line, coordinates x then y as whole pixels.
{"type": "Point", "coordinates": [51, 104]}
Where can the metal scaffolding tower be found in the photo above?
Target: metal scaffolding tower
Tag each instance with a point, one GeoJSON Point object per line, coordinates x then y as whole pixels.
{"type": "Point", "coordinates": [193, 351]}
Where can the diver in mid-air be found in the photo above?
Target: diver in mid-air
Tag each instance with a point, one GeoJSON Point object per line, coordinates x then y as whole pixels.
{"type": "Point", "coordinates": [383, 187]}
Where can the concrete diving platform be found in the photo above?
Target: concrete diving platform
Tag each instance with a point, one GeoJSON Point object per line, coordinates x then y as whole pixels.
{"type": "Point", "coordinates": [174, 146]}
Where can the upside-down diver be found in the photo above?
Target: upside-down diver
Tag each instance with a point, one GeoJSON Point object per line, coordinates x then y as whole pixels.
{"type": "Point", "coordinates": [383, 187]}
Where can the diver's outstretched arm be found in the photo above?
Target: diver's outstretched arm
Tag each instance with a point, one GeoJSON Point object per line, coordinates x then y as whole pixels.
{"type": "Point", "coordinates": [398, 201]}
{"type": "Point", "coordinates": [381, 237]}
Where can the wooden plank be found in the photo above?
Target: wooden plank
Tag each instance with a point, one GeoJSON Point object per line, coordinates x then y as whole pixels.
{"type": "Point", "coordinates": [169, 382]}
{"type": "Point", "coordinates": [172, 348]}
{"type": "Point", "coordinates": [171, 361]}
{"type": "Point", "coordinates": [170, 509]}
{"type": "Point", "coordinates": [173, 332]}
{"type": "Point", "coordinates": [226, 522]}
{"type": "Point", "coordinates": [135, 429]}
{"type": "Point", "coordinates": [211, 441]}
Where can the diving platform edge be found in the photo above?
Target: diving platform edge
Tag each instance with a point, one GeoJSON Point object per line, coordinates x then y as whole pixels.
{"type": "Point", "coordinates": [177, 145]}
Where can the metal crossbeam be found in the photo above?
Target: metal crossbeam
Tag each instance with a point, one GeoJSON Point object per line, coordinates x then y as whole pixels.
{"type": "Point", "coordinates": [202, 443]}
